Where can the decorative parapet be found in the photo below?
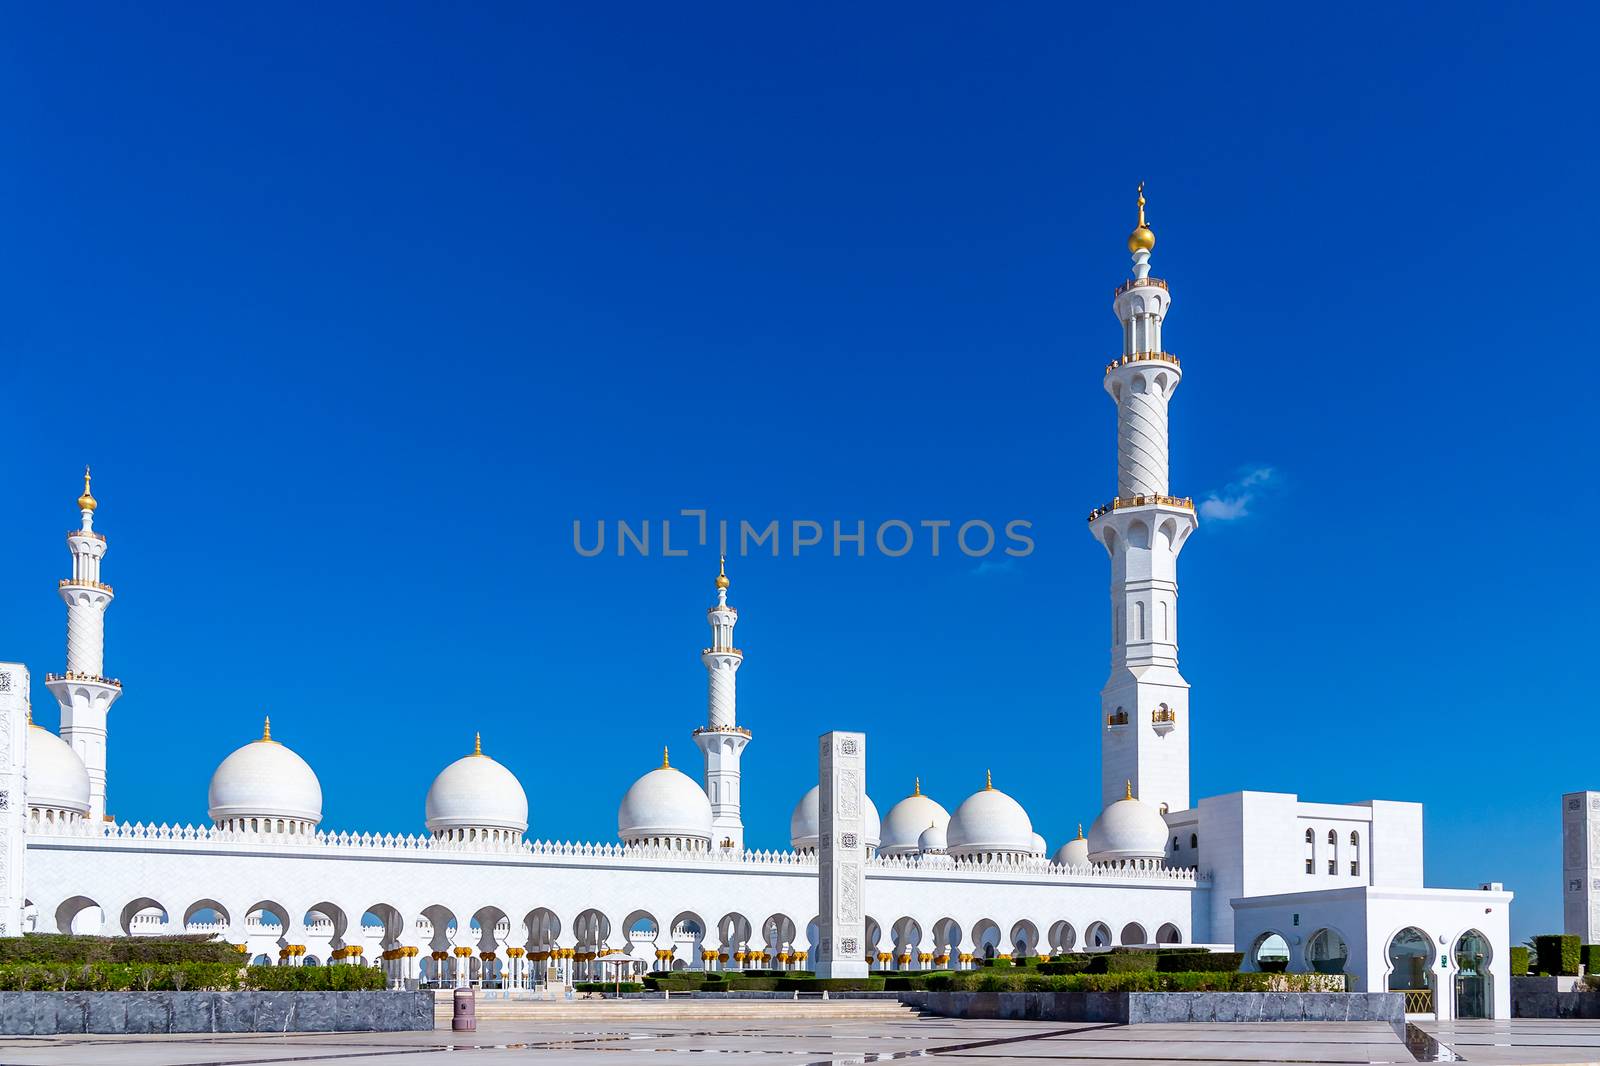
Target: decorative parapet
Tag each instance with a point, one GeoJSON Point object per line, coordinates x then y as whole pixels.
{"type": "Point", "coordinates": [1139, 283]}
{"type": "Point", "coordinates": [203, 836]}
{"type": "Point", "coordinates": [73, 582]}
{"type": "Point", "coordinates": [722, 651]}
{"type": "Point", "coordinates": [1184, 503]}
{"type": "Point", "coordinates": [71, 675]}
{"type": "Point", "coordinates": [741, 730]}
{"type": "Point", "coordinates": [1142, 357]}
{"type": "Point", "coordinates": [86, 533]}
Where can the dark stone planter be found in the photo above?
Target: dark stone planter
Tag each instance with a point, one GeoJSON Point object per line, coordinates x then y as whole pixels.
{"type": "Point", "coordinates": [53, 1013]}
{"type": "Point", "coordinates": [1544, 997]}
{"type": "Point", "coordinates": [1135, 1008]}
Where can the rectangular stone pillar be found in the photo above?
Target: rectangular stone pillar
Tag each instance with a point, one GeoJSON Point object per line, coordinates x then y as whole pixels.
{"type": "Point", "coordinates": [1580, 864]}
{"type": "Point", "coordinates": [13, 793]}
{"type": "Point", "coordinates": [842, 856]}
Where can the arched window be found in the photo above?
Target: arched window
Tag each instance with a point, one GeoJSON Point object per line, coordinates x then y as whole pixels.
{"type": "Point", "coordinates": [1194, 841]}
{"type": "Point", "coordinates": [1174, 843]}
{"type": "Point", "coordinates": [1333, 852]}
{"type": "Point", "coordinates": [1311, 852]}
{"type": "Point", "coordinates": [1355, 854]}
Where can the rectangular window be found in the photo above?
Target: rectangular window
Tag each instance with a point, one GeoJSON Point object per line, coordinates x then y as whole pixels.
{"type": "Point", "coordinates": [1355, 867]}
{"type": "Point", "coordinates": [1311, 866]}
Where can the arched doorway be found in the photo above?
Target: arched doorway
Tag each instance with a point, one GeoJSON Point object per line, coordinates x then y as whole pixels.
{"type": "Point", "coordinates": [1474, 983]}
{"type": "Point", "coordinates": [1327, 951]}
{"type": "Point", "coordinates": [1270, 953]}
{"type": "Point", "coordinates": [1411, 969]}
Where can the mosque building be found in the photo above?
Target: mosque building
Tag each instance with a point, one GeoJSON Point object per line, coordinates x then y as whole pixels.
{"type": "Point", "coordinates": [477, 899]}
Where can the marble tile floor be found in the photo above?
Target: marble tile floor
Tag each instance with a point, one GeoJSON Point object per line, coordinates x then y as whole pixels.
{"type": "Point", "coordinates": [776, 1041]}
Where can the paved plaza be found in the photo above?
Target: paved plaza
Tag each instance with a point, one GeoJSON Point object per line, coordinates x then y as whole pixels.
{"type": "Point", "coordinates": [807, 1041]}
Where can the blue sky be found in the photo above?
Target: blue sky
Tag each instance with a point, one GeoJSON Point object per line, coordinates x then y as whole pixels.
{"type": "Point", "coordinates": [356, 309]}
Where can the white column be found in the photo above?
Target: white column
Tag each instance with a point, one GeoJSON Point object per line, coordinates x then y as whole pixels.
{"type": "Point", "coordinates": [13, 794]}
{"type": "Point", "coordinates": [841, 855]}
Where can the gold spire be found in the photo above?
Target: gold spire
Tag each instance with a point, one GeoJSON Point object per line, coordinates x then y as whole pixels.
{"type": "Point", "coordinates": [665, 765]}
{"type": "Point", "coordinates": [1128, 795]}
{"type": "Point", "coordinates": [266, 730]}
{"type": "Point", "coordinates": [722, 572]}
{"type": "Point", "coordinates": [988, 780]}
{"type": "Point", "coordinates": [1142, 239]}
{"type": "Point", "coordinates": [477, 744]}
{"type": "Point", "coordinates": [1080, 830]}
{"type": "Point", "coordinates": [916, 788]}
{"type": "Point", "coordinates": [86, 502]}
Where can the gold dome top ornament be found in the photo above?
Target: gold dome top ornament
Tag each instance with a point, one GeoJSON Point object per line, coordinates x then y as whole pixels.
{"type": "Point", "coordinates": [477, 744]}
{"type": "Point", "coordinates": [665, 765]}
{"type": "Point", "coordinates": [1143, 238]}
{"type": "Point", "coordinates": [722, 572]}
{"type": "Point", "coordinates": [86, 502]}
{"type": "Point", "coordinates": [266, 731]}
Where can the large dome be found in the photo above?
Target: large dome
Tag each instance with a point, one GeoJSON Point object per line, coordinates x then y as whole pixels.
{"type": "Point", "coordinates": [989, 823]}
{"type": "Point", "coordinates": [1128, 829]}
{"type": "Point", "coordinates": [908, 820]}
{"type": "Point", "coordinates": [475, 792]}
{"type": "Point", "coordinates": [805, 824]}
{"type": "Point", "coordinates": [57, 780]}
{"type": "Point", "coordinates": [1074, 852]}
{"type": "Point", "coordinates": [662, 806]}
{"type": "Point", "coordinates": [262, 783]}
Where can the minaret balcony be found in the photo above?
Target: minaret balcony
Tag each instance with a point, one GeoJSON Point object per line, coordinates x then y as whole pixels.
{"type": "Point", "coordinates": [72, 582]}
{"type": "Point", "coordinates": [1142, 357]}
{"type": "Point", "coordinates": [739, 729]}
{"type": "Point", "coordinates": [1164, 719]}
{"type": "Point", "coordinates": [87, 533]}
{"type": "Point", "coordinates": [1182, 503]}
{"type": "Point", "coordinates": [1117, 720]}
{"type": "Point", "coordinates": [92, 678]}
{"type": "Point", "coordinates": [722, 651]}
{"type": "Point", "coordinates": [1139, 283]}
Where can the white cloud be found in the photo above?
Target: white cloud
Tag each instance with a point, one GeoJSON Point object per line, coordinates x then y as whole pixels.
{"type": "Point", "coordinates": [1233, 500]}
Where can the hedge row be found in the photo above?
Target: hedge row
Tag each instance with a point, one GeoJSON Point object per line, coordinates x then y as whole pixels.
{"type": "Point", "coordinates": [1558, 955]}
{"type": "Point", "coordinates": [52, 948]}
{"type": "Point", "coordinates": [1193, 961]}
{"type": "Point", "coordinates": [186, 976]}
{"type": "Point", "coordinates": [608, 986]}
{"type": "Point", "coordinates": [1142, 981]}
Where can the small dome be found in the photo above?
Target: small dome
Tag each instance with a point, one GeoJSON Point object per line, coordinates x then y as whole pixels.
{"type": "Point", "coordinates": [1074, 852]}
{"type": "Point", "coordinates": [989, 822]}
{"type": "Point", "coordinates": [475, 792]}
{"type": "Point", "coordinates": [805, 824]}
{"type": "Point", "coordinates": [1128, 829]}
{"type": "Point", "coordinates": [265, 779]}
{"type": "Point", "coordinates": [932, 841]}
{"type": "Point", "coordinates": [908, 820]}
{"type": "Point", "coordinates": [56, 777]}
{"type": "Point", "coordinates": [1040, 848]}
{"type": "Point", "coordinates": [664, 803]}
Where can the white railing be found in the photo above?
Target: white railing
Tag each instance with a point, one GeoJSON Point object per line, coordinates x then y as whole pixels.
{"type": "Point", "coordinates": [107, 833]}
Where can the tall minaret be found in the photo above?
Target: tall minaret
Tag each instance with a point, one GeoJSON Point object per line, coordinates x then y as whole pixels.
{"type": "Point", "coordinates": [84, 692]}
{"type": "Point", "coordinates": [721, 738]}
{"type": "Point", "coordinates": [1145, 702]}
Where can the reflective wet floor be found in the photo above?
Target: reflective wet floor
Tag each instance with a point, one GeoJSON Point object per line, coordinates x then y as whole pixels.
{"type": "Point", "coordinates": [802, 1042]}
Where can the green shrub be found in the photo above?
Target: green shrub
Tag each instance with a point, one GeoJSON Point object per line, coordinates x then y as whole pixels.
{"type": "Point", "coordinates": [1199, 960]}
{"type": "Point", "coordinates": [922, 979]}
{"type": "Point", "coordinates": [1130, 964]}
{"type": "Point", "coordinates": [608, 986]}
{"type": "Point", "coordinates": [1519, 962]}
{"type": "Point", "coordinates": [998, 963]}
{"type": "Point", "coordinates": [1558, 955]}
{"type": "Point", "coordinates": [121, 976]}
{"type": "Point", "coordinates": [740, 983]}
{"type": "Point", "coordinates": [315, 978]}
{"type": "Point", "coordinates": [830, 984]}
{"type": "Point", "coordinates": [1589, 955]}
{"type": "Point", "coordinates": [1147, 981]}
{"type": "Point", "coordinates": [1066, 964]}
{"type": "Point", "coordinates": [51, 948]}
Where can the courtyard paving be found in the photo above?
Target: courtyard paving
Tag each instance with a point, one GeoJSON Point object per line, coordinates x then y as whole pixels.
{"type": "Point", "coordinates": [775, 1040]}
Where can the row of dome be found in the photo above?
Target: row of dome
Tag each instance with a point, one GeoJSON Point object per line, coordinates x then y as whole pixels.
{"type": "Point", "coordinates": [265, 787]}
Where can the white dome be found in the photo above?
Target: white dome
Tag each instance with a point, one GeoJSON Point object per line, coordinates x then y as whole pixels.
{"type": "Point", "coordinates": [664, 803]}
{"type": "Point", "coordinates": [56, 777]}
{"type": "Point", "coordinates": [265, 779]}
{"type": "Point", "coordinates": [805, 824]}
{"type": "Point", "coordinates": [908, 820]}
{"type": "Point", "coordinates": [1128, 829]}
{"type": "Point", "coordinates": [1074, 852]}
{"type": "Point", "coordinates": [475, 792]}
{"type": "Point", "coordinates": [989, 822]}
{"type": "Point", "coordinates": [932, 841]}
{"type": "Point", "coordinates": [1040, 848]}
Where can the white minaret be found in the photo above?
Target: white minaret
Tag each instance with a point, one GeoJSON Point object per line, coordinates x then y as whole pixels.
{"type": "Point", "coordinates": [722, 738]}
{"type": "Point", "coordinates": [84, 692]}
{"type": "Point", "coordinates": [1145, 703]}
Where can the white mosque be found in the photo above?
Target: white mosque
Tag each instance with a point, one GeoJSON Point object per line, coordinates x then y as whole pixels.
{"type": "Point", "coordinates": [474, 900]}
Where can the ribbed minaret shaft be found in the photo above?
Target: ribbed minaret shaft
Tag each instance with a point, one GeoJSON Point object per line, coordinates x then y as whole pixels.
{"type": "Point", "coordinates": [1145, 701]}
{"type": "Point", "coordinates": [722, 739]}
{"type": "Point", "coordinates": [84, 692]}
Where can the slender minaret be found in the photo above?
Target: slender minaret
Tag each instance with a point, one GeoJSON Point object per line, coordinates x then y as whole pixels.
{"type": "Point", "coordinates": [722, 738]}
{"type": "Point", "coordinates": [1145, 702]}
{"type": "Point", "coordinates": [84, 692]}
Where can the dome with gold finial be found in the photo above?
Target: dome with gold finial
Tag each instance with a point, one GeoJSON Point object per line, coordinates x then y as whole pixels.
{"type": "Point", "coordinates": [722, 573]}
{"type": "Point", "coordinates": [989, 823]}
{"type": "Point", "coordinates": [264, 787]}
{"type": "Point", "coordinates": [475, 800]}
{"type": "Point", "coordinates": [86, 502]}
{"type": "Point", "coordinates": [1143, 238]}
{"type": "Point", "coordinates": [665, 808]}
{"type": "Point", "coordinates": [1128, 829]}
{"type": "Point", "coordinates": [907, 820]}
{"type": "Point", "coordinates": [1074, 852]}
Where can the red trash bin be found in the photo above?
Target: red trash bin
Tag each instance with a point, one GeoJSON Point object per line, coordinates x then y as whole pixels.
{"type": "Point", "coordinates": [465, 1019]}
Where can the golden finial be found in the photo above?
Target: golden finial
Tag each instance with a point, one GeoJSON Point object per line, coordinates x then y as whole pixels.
{"type": "Point", "coordinates": [1080, 830]}
{"type": "Point", "coordinates": [266, 730]}
{"type": "Point", "coordinates": [1128, 795]}
{"type": "Point", "coordinates": [916, 787]}
{"type": "Point", "coordinates": [722, 572]}
{"type": "Point", "coordinates": [1142, 239]}
{"type": "Point", "coordinates": [988, 780]}
{"type": "Point", "coordinates": [665, 765]}
{"type": "Point", "coordinates": [477, 744]}
{"type": "Point", "coordinates": [86, 501]}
